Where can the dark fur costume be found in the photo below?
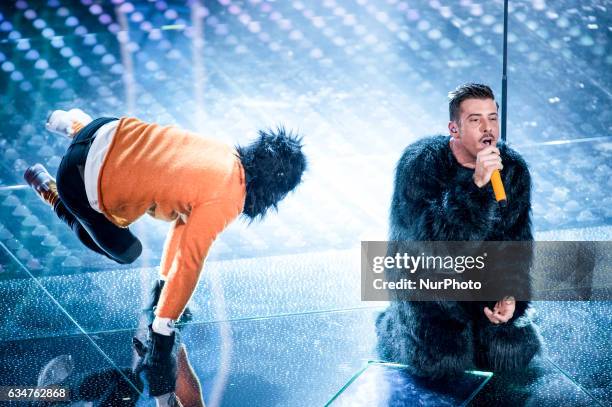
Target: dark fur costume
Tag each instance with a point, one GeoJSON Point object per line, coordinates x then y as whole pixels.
{"type": "Point", "coordinates": [435, 199]}
{"type": "Point", "coordinates": [273, 164]}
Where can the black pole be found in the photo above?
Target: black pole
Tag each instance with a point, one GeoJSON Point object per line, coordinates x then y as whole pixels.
{"type": "Point", "coordinates": [505, 74]}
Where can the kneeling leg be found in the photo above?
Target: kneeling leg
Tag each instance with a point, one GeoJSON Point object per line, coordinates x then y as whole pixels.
{"type": "Point", "coordinates": [506, 347]}
{"type": "Point", "coordinates": [430, 345]}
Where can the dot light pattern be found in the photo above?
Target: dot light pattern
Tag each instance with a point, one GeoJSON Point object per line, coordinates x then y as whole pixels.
{"type": "Point", "coordinates": [360, 78]}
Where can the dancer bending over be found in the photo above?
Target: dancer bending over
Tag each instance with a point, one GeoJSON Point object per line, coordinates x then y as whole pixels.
{"type": "Point", "coordinates": [117, 170]}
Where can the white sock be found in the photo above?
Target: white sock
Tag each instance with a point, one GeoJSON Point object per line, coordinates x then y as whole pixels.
{"type": "Point", "coordinates": [163, 326]}
{"type": "Point", "coordinates": [80, 116]}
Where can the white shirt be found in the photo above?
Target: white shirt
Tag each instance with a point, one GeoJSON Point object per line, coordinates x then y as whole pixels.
{"type": "Point", "coordinates": [95, 158]}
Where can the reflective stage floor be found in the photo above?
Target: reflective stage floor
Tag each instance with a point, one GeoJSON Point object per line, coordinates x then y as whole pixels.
{"type": "Point", "coordinates": [277, 317]}
{"type": "Point", "coordinates": [282, 331]}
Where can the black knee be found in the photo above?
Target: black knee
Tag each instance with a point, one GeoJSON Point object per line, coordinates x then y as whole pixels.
{"type": "Point", "coordinates": [430, 347]}
{"type": "Point", "coordinates": [130, 255]}
{"type": "Point", "coordinates": [508, 347]}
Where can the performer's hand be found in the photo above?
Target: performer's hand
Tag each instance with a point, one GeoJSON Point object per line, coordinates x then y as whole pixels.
{"type": "Point", "coordinates": [487, 161]}
{"type": "Point", "coordinates": [158, 362]}
{"type": "Point", "coordinates": [502, 312]}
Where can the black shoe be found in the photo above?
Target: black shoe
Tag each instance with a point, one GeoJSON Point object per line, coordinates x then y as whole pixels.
{"type": "Point", "coordinates": [43, 183]}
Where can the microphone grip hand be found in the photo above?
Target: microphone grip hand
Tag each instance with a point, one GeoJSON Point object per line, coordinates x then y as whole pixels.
{"type": "Point", "coordinates": [488, 165]}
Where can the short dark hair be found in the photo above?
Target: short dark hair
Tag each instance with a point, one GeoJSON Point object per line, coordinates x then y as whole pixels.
{"type": "Point", "coordinates": [466, 91]}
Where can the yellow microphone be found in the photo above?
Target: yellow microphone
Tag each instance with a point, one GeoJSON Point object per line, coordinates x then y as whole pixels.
{"type": "Point", "coordinates": [498, 188]}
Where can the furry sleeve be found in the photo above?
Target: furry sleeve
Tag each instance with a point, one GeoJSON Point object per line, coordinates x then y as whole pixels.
{"type": "Point", "coordinates": [516, 226]}
{"type": "Point", "coordinates": [516, 218]}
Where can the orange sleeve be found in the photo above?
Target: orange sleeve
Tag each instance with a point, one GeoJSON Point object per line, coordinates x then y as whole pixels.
{"type": "Point", "coordinates": [170, 246]}
{"type": "Point", "coordinates": [189, 246]}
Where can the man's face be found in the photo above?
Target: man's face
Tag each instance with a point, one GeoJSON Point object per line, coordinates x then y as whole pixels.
{"type": "Point", "coordinates": [478, 126]}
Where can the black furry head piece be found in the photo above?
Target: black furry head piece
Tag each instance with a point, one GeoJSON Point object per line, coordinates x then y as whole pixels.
{"type": "Point", "coordinates": [273, 164]}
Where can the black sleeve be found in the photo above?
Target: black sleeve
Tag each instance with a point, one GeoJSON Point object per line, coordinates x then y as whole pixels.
{"type": "Point", "coordinates": [433, 201]}
{"type": "Point", "coordinates": [509, 265]}
{"type": "Point", "coordinates": [516, 218]}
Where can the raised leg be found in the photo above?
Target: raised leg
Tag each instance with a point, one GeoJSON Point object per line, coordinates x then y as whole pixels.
{"type": "Point", "coordinates": [46, 188]}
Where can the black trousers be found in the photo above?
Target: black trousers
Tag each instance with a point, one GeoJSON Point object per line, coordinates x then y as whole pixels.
{"type": "Point", "coordinates": [92, 228]}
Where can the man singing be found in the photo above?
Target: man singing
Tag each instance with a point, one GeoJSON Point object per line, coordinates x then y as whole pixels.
{"type": "Point", "coordinates": [443, 193]}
